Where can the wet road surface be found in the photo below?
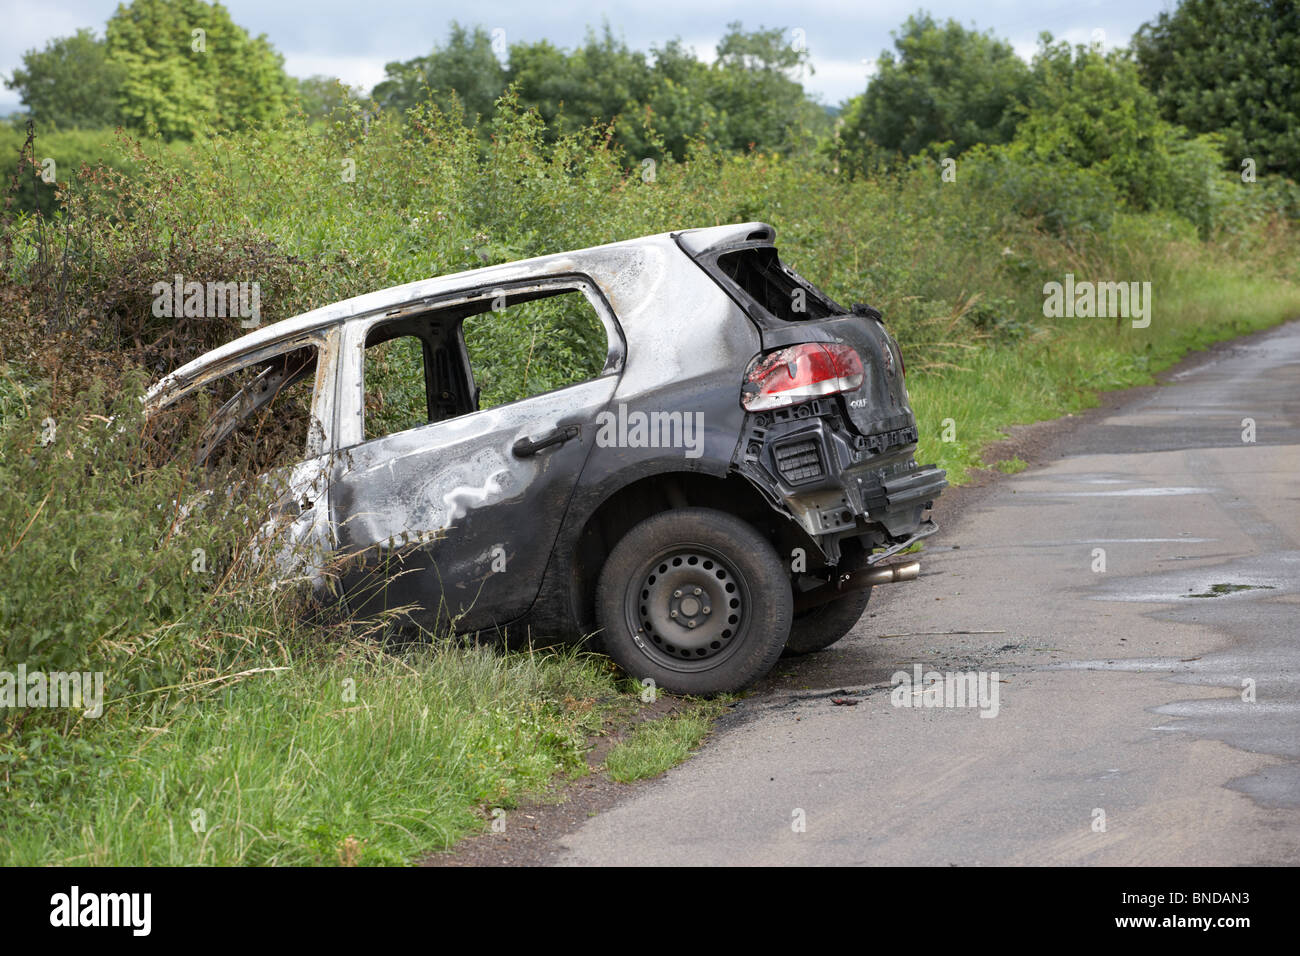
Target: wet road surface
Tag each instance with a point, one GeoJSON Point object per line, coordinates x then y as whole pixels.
{"type": "Point", "coordinates": [1139, 598]}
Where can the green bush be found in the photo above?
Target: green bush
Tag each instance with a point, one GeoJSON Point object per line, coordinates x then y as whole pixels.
{"type": "Point", "coordinates": [102, 572]}
{"type": "Point", "coordinates": [1067, 199]}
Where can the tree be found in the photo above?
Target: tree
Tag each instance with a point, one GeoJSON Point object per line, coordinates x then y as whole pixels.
{"type": "Point", "coordinates": [71, 83]}
{"type": "Point", "coordinates": [319, 96]}
{"type": "Point", "coordinates": [747, 98]}
{"type": "Point", "coordinates": [656, 103]}
{"type": "Point", "coordinates": [1089, 110]}
{"type": "Point", "coordinates": [753, 87]}
{"type": "Point", "coordinates": [602, 81]}
{"type": "Point", "coordinates": [679, 103]}
{"type": "Point", "coordinates": [1231, 66]}
{"type": "Point", "coordinates": [467, 65]}
{"type": "Point", "coordinates": [186, 63]}
{"type": "Point", "coordinates": [946, 84]}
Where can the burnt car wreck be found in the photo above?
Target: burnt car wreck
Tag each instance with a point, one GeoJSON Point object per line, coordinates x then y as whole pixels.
{"type": "Point", "coordinates": [715, 468]}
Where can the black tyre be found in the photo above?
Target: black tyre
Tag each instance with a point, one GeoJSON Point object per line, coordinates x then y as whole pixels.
{"type": "Point", "coordinates": [696, 600]}
{"type": "Point", "coordinates": [819, 627]}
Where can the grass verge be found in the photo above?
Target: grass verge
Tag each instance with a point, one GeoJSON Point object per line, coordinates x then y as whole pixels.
{"type": "Point", "coordinates": [658, 745]}
{"type": "Point", "coordinates": [1065, 366]}
{"type": "Point", "coordinates": [352, 761]}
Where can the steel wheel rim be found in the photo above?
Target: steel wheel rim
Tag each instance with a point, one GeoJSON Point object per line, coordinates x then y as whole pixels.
{"type": "Point", "coordinates": [688, 608]}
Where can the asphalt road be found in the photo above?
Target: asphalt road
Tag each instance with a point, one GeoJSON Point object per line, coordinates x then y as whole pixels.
{"type": "Point", "coordinates": [1121, 735]}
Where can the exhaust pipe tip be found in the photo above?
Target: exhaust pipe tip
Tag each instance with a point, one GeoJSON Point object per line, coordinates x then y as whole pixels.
{"type": "Point", "coordinates": [897, 572]}
{"type": "Point", "coordinates": [855, 581]}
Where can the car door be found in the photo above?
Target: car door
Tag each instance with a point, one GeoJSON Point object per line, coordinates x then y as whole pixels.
{"type": "Point", "coordinates": [457, 516]}
{"type": "Point", "coordinates": [271, 427]}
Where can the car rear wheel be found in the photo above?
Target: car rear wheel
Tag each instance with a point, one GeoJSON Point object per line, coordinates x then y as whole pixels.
{"type": "Point", "coordinates": [819, 627]}
{"type": "Point", "coordinates": [695, 600]}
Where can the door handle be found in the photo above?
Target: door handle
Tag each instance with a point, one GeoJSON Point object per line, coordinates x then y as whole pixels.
{"type": "Point", "coordinates": [526, 446]}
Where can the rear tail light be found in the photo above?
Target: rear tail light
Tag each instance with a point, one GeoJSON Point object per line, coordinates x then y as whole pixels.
{"type": "Point", "coordinates": [798, 373]}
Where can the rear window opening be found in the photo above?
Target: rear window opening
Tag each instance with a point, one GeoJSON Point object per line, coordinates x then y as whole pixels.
{"type": "Point", "coordinates": [759, 274]}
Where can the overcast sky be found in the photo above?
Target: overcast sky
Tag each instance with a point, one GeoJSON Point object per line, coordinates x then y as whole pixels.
{"type": "Point", "coordinates": [353, 39]}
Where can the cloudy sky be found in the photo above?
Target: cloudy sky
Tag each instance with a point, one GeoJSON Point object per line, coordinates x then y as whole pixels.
{"type": "Point", "coordinates": [353, 39]}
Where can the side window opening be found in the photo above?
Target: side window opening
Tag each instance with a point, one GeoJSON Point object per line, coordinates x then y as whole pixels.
{"type": "Point", "coordinates": [413, 374]}
{"type": "Point", "coordinates": [759, 274]}
{"type": "Point", "coordinates": [396, 390]}
{"type": "Point", "coordinates": [537, 342]}
{"type": "Point", "coordinates": [492, 350]}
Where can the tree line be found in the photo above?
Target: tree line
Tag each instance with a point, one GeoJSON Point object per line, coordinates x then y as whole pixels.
{"type": "Point", "coordinates": [1225, 68]}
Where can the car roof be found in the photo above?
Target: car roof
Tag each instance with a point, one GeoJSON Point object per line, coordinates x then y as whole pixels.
{"type": "Point", "coordinates": [624, 271]}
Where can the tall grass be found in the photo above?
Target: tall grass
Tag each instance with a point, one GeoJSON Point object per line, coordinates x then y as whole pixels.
{"type": "Point", "coordinates": [361, 759]}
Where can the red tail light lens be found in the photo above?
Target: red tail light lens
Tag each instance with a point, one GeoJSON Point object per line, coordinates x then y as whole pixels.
{"type": "Point", "coordinates": [798, 373]}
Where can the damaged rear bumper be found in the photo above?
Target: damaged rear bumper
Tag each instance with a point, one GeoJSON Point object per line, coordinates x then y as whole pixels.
{"type": "Point", "coordinates": [838, 484]}
{"type": "Point", "coordinates": [927, 528]}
